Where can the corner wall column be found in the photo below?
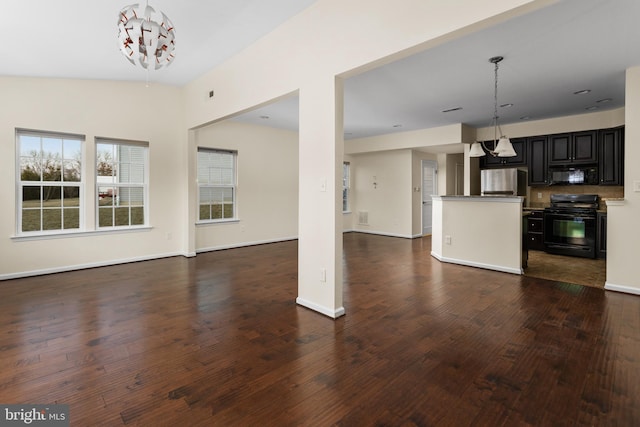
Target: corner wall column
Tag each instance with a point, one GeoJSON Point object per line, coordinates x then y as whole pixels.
{"type": "Point", "coordinates": [321, 148]}
{"type": "Point", "coordinates": [623, 233]}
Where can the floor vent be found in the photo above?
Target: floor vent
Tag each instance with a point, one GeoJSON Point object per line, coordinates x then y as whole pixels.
{"type": "Point", "coordinates": [363, 218]}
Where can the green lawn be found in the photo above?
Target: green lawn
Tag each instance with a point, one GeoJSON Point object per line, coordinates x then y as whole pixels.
{"type": "Point", "coordinates": [52, 212]}
{"type": "Point", "coordinates": [215, 211]}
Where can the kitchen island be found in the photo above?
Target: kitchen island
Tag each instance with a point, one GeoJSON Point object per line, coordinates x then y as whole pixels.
{"type": "Point", "coordinates": [479, 231]}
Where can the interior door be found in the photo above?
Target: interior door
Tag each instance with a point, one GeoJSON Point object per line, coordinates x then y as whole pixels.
{"type": "Point", "coordinates": [429, 188]}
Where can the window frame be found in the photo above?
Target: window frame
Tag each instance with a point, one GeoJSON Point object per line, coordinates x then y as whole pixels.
{"type": "Point", "coordinates": [20, 184]}
{"type": "Point", "coordinates": [144, 185]}
{"type": "Point", "coordinates": [346, 187]}
{"type": "Point", "coordinates": [233, 186]}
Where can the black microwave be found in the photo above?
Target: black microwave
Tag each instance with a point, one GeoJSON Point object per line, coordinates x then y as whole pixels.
{"type": "Point", "coordinates": [574, 176]}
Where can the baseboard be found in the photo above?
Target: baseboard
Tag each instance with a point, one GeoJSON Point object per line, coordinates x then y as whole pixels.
{"type": "Point", "coordinates": [244, 244]}
{"type": "Point", "coordinates": [478, 264]}
{"type": "Point", "coordinates": [620, 288]}
{"type": "Point", "coordinates": [334, 314]}
{"type": "Point", "coordinates": [66, 268]}
{"type": "Point", "coordinates": [381, 233]}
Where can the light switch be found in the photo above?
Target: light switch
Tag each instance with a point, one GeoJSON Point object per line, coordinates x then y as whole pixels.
{"type": "Point", "coordinates": [323, 184]}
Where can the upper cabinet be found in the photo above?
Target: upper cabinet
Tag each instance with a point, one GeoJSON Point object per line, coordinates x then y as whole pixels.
{"type": "Point", "coordinates": [537, 160]}
{"type": "Point", "coordinates": [573, 148]}
{"type": "Point", "coordinates": [600, 149]}
{"type": "Point", "coordinates": [520, 159]}
{"type": "Point", "coordinates": [611, 156]}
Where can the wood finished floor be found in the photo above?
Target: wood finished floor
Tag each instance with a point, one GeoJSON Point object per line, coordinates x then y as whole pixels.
{"type": "Point", "coordinates": [581, 271]}
{"type": "Point", "coordinates": [219, 340]}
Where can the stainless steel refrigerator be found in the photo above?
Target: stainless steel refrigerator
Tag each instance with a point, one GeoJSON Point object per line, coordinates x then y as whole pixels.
{"type": "Point", "coordinates": [503, 182]}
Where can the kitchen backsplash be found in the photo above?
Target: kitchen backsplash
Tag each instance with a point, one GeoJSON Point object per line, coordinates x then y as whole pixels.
{"type": "Point", "coordinates": [539, 197]}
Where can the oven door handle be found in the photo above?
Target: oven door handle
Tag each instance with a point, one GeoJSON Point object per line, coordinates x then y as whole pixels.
{"type": "Point", "coordinates": [569, 216]}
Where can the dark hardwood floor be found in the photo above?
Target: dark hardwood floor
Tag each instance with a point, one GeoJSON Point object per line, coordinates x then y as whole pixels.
{"type": "Point", "coordinates": [219, 340]}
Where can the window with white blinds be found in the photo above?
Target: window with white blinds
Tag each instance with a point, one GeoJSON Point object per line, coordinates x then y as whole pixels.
{"type": "Point", "coordinates": [121, 183]}
{"type": "Point", "coordinates": [216, 184]}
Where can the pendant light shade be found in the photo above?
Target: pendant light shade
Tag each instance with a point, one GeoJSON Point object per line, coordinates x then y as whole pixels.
{"type": "Point", "coordinates": [145, 37]}
{"type": "Point", "coordinates": [476, 150]}
{"type": "Point", "coordinates": [505, 148]}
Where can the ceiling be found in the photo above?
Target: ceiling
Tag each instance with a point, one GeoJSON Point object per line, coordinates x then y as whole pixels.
{"type": "Point", "coordinates": [549, 54]}
{"type": "Point", "coordinates": [78, 38]}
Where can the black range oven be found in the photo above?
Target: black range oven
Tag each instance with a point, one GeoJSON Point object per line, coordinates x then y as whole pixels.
{"type": "Point", "coordinates": [570, 225]}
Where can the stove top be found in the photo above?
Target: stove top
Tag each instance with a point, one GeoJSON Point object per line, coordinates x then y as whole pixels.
{"type": "Point", "coordinates": [581, 202]}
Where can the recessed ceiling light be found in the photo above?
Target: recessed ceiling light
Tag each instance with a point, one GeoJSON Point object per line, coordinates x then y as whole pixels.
{"type": "Point", "coordinates": [397, 126]}
{"type": "Point", "coordinates": [593, 107]}
{"type": "Point", "coordinates": [582, 92]}
{"type": "Point", "coordinates": [604, 100]}
{"type": "Point", "coordinates": [264, 117]}
{"type": "Point", "coordinates": [452, 109]}
{"type": "Point", "coordinates": [525, 118]}
{"type": "Point", "coordinates": [509, 105]}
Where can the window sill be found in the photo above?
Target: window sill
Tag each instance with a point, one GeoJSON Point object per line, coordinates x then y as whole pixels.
{"type": "Point", "coordinates": [218, 221]}
{"type": "Point", "coordinates": [346, 212]}
{"type": "Point", "coordinates": [79, 233]}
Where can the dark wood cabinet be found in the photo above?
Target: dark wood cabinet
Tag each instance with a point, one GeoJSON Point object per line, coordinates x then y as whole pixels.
{"type": "Point", "coordinates": [604, 148]}
{"type": "Point", "coordinates": [519, 146]}
{"type": "Point", "coordinates": [573, 148]}
{"type": "Point", "coordinates": [537, 160]}
{"type": "Point", "coordinates": [601, 239]}
{"type": "Point", "coordinates": [535, 231]}
{"type": "Point", "coordinates": [611, 156]}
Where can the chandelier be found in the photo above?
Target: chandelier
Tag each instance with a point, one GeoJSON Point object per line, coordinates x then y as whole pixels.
{"type": "Point", "coordinates": [501, 146]}
{"type": "Point", "coordinates": [145, 37]}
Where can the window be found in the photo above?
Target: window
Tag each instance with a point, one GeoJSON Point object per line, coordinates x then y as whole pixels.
{"type": "Point", "coordinates": [346, 185]}
{"type": "Point", "coordinates": [216, 185]}
{"type": "Point", "coordinates": [121, 183]}
{"type": "Point", "coordinates": [50, 181]}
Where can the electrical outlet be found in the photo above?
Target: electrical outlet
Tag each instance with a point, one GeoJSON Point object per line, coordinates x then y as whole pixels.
{"type": "Point", "coordinates": [636, 186]}
{"type": "Point", "coordinates": [539, 195]}
{"type": "Point", "coordinates": [323, 275]}
{"type": "Point", "coordinates": [447, 240]}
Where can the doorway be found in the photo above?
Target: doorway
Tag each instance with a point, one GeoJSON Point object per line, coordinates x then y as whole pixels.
{"type": "Point", "coordinates": [459, 179]}
{"type": "Point", "coordinates": [429, 189]}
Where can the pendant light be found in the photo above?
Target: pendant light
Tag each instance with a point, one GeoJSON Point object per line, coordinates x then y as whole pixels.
{"type": "Point", "coordinates": [144, 38]}
{"type": "Point", "coordinates": [501, 146]}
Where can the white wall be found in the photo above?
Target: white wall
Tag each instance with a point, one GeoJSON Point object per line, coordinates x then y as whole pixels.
{"type": "Point", "coordinates": [267, 190]}
{"type": "Point", "coordinates": [479, 231]}
{"type": "Point", "coordinates": [623, 231]}
{"type": "Point", "coordinates": [440, 136]}
{"type": "Point", "coordinates": [95, 109]}
{"type": "Point", "coordinates": [388, 202]}
{"type": "Point", "coordinates": [576, 123]}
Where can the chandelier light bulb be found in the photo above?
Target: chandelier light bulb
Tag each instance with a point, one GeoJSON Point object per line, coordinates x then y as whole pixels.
{"type": "Point", "coordinates": [145, 37]}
